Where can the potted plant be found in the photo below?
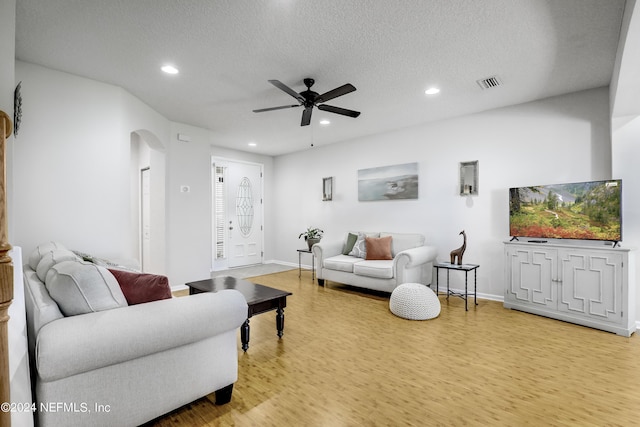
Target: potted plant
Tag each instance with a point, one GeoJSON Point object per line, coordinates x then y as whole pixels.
{"type": "Point", "coordinates": [312, 236]}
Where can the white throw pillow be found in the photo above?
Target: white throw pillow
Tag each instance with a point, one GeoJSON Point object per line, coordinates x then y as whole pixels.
{"type": "Point", "coordinates": [52, 258]}
{"type": "Point", "coordinates": [359, 248]}
{"type": "Point", "coordinates": [80, 287]}
{"type": "Point", "coordinates": [42, 250]}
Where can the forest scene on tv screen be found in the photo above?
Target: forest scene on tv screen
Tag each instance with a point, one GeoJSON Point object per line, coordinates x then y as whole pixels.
{"type": "Point", "coordinates": [584, 210]}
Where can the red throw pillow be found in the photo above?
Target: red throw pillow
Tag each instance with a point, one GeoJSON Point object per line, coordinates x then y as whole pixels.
{"type": "Point", "coordinates": [142, 287]}
{"type": "Point", "coordinates": [378, 248]}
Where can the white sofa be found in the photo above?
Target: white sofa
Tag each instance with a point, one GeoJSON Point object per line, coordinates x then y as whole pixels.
{"type": "Point", "coordinates": [128, 365]}
{"type": "Point", "coordinates": [412, 262]}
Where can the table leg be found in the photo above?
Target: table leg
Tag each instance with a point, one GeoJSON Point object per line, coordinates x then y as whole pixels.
{"type": "Point", "coordinates": [447, 283]}
{"type": "Point", "coordinates": [475, 286]}
{"type": "Point", "coordinates": [299, 264]}
{"type": "Point", "coordinates": [437, 280]}
{"type": "Point", "coordinates": [280, 321]}
{"type": "Point", "coordinates": [466, 292]}
{"type": "Point", "coordinates": [313, 267]}
{"type": "Point", "coordinates": [244, 335]}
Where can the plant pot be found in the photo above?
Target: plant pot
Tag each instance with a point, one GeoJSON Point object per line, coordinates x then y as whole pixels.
{"type": "Point", "coordinates": [312, 242]}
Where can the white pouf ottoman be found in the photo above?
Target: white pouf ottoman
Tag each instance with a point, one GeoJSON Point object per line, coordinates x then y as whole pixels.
{"type": "Point", "coordinates": [414, 301]}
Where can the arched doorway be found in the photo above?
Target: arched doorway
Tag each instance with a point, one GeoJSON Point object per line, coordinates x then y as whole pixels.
{"type": "Point", "coordinates": [147, 175]}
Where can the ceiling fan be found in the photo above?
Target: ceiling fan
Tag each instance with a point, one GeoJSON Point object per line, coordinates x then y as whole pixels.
{"type": "Point", "coordinates": [309, 99]}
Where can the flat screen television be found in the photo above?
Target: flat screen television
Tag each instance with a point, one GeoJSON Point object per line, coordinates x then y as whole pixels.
{"type": "Point", "coordinates": [581, 210]}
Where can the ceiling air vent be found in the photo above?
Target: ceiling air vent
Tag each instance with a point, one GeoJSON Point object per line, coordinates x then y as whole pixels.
{"type": "Point", "coordinates": [489, 82]}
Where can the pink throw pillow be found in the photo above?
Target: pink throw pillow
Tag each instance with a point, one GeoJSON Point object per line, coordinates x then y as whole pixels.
{"type": "Point", "coordinates": [378, 248]}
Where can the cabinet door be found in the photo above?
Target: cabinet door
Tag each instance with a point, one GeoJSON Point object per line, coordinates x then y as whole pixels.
{"type": "Point", "coordinates": [532, 276]}
{"type": "Point", "coordinates": [591, 284]}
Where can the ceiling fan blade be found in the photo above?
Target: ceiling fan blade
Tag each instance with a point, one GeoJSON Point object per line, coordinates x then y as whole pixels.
{"type": "Point", "coordinates": [306, 116]}
{"type": "Point", "coordinates": [283, 87]}
{"type": "Point", "coordinates": [275, 108]}
{"type": "Point", "coordinates": [338, 110]}
{"type": "Point", "coordinates": [339, 91]}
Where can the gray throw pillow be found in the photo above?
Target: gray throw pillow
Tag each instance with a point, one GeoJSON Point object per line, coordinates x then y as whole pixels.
{"type": "Point", "coordinates": [351, 240]}
{"type": "Point", "coordinates": [80, 287]}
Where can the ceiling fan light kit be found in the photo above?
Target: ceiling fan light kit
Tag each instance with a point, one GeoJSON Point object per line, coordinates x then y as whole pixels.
{"type": "Point", "coordinates": [309, 99]}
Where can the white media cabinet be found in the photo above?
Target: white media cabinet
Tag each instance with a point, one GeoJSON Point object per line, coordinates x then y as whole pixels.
{"type": "Point", "coordinates": [587, 285]}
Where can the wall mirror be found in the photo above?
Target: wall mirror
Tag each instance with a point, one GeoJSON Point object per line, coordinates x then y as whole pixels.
{"type": "Point", "coordinates": [469, 178]}
{"type": "Point", "coordinates": [327, 189]}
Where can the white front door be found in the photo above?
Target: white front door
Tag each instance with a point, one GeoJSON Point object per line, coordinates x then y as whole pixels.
{"type": "Point", "coordinates": [237, 224]}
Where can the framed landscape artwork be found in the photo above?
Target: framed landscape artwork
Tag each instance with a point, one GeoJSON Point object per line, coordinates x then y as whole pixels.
{"type": "Point", "coordinates": [388, 182]}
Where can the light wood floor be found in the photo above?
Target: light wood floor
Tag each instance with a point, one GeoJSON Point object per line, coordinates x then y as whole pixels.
{"type": "Point", "coordinates": [346, 360]}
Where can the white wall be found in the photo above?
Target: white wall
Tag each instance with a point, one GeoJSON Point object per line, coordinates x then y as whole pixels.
{"type": "Point", "coordinates": [189, 251]}
{"type": "Point", "coordinates": [561, 139]}
{"type": "Point", "coordinates": [71, 166]}
{"type": "Point", "coordinates": [7, 49]}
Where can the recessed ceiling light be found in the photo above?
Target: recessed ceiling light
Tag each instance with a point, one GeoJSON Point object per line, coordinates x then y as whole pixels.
{"type": "Point", "coordinates": [325, 122]}
{"type": "Point", "coordinates": [253, 144]}
{"type": "Point", "coordinates": [169, 69]}
{"type": "Point", "coordinates": [432, 91]}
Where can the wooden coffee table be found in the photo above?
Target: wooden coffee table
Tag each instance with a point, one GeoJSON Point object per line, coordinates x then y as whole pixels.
{"type": "Point", "coordinates": [260, 299]}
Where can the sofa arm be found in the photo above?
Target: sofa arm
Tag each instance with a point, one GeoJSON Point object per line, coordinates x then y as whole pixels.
{"type": "Point", "coordinates": [324, 250]}
{"type": "Point", "coordinates": [77, 344]}
{"type": "Point", "coordinates": [415, 256]}
{"type": "Point", "coordinates": [409, 263]}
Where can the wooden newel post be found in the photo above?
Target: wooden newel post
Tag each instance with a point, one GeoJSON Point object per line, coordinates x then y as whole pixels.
{"type": "Point", "coordinates": [6, 271]}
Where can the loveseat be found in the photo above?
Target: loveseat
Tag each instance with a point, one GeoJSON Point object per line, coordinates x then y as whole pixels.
{"type": "Point", "coordinates": [101, 360]}
{"type": "Point", "coordinates": [375, 260]}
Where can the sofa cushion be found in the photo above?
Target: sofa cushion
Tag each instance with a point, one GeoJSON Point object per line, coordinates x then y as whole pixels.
{"type": "Point", "coordinates": [50, 259]}
{"type": "Point", "coordinates": [42, 250]}
{"type": "Point", "coordinates": [382, 269]}
{"type": "Point", "coordinates": [403, 241]}
{"type": "Point", "coordinates": [341, 263]}
{"type": "Point", "coordinates": [80, 287]}
{"type": "Point", "coordinates": [351, 241]}
{"type": "Point", "coordinates": [139, 288]}
{"type": "Point", "coordinates": [378, 248]}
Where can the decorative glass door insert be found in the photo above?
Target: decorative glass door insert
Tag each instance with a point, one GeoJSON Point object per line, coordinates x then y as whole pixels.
{"type": "Point", "coordinates": [244, 206]}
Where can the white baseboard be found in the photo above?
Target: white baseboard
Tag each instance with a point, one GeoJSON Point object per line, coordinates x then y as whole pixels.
{"type": "Point", "coordinates": [288, 264]}
{"type": "Point", "coordinates": [490, 297]}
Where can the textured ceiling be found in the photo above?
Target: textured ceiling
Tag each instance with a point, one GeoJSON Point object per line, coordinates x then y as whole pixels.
{"type": "Point", "coordinates": [391, 51]}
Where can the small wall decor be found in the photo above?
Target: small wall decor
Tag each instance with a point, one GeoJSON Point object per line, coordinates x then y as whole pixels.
{"type": "Point", "coordinates": [457, 253]}
{"type": "Point", "coordinates": [17, 109]}
{"type": "Point", "coordinates": [469, 178]}
{"type": "Point", "coordinates": [327, 189]}
{"type": "Point", "coordinates": [388, 182]}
